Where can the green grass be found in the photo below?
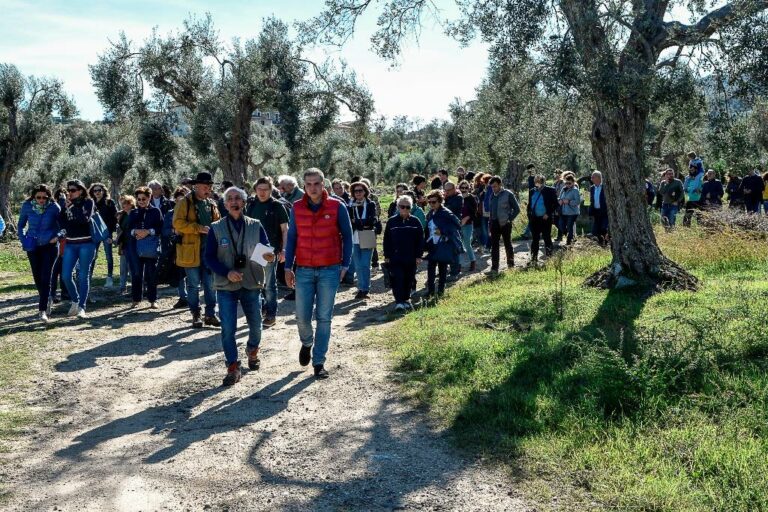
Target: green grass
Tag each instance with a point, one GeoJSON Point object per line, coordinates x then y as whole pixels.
{"type": "Point", "coordinates": [629, 401]}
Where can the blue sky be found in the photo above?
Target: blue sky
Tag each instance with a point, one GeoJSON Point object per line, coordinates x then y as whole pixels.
{"type": "Point", "coordinates": [61, 38]}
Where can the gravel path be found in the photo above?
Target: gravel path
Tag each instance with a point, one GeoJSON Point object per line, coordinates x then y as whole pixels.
{"type": "Point", "coordinates": [142, 423]}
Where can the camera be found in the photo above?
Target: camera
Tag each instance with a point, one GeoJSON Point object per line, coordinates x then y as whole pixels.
{"type": "Point", "coordinates": [239, 261]}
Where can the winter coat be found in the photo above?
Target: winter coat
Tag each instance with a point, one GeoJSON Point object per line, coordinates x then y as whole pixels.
{"type": "Point", "coordinates": [42, 227]}
{"type": "Point", "coordinates": [188, 252]}
{"type": "Point", "coordinates": [403, 239]}
{"type": "Point", "coordinates": [573, 198]}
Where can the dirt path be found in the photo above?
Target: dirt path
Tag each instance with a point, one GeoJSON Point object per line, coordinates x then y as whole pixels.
{"type": "Point", "coordinates": [142, 423]}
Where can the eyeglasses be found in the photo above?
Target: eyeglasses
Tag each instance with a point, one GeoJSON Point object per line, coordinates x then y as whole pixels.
{"type": "Point", "coordinates": [405, 207]}
{"type": "Point", "coordinates": [73, 190]}
{"type": "Point", "coordinates": [42, 197]}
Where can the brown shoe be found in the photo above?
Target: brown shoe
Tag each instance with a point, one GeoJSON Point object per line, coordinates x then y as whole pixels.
{"type": "Point", "coordinates": [196, 322]}
{"type": "Point", "coordinates": [253, 359]}
{"type": "Point", "coordinates": [212, 320]}
{"type": "Point", "coordinates": [268, 321]}
{"type": "Point", "coordinates": [233, 374]}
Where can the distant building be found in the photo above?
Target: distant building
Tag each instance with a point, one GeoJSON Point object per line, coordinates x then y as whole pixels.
{"type": "Point", "coordinates": [182, 127]}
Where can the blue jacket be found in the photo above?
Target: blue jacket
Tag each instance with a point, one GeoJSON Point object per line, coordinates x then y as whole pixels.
{"type": "Point", "coordinates": [43, 226]}
{"type": "Point", "coordinates": [592, 209]}
{"type": "Point", "coordinates": [403, 239]}
{"type": "Point", "coordinates": [692, 186]}
{"type": "Point", "coordinates": [449, 226]}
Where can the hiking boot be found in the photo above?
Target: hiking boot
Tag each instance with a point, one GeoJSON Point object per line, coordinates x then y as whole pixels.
{"type": "Point", "coordinates": [233, 374]}
{"type": "Point", "coordinates": [108, 283]}
{"type": "Point", "coordinates": [73, 309]}
{"type": "Point", "coordinates": [320, 372]}
{"type": "Point", "coordinates": [291, 295]}
{"type": "Point", "coordinates": [181, 304]}
{"type": "Point", "coordinates": [268, 321]}
{"type": "Point", "coordinates": [212, 320]}
{"type": "Point", "coordinates": [196, 322]}
{"type": "Point", "coordinates": [305, 355]}
{"type": "Point", "coordinates": [253, 359]}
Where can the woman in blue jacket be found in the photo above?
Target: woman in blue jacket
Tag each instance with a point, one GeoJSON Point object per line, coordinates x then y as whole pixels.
{"type": "Point", "coordinates": [79, 248]}
{"type": "Point", "coordinates": [443, 227]}
{"type": "Point", "coordinates": [40, 216]}
{"type": "Point", "coordinates": [144, 222]}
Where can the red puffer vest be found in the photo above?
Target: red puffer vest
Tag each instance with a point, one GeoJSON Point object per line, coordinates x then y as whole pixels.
{"type": "Point", "coordinates": [318, 240]}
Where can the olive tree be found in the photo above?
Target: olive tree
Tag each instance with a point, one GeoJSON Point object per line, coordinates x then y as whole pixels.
{"type": "Point", "coordinates": [610, 53]}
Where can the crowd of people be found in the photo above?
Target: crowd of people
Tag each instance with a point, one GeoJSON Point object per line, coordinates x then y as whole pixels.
{"type": "Point", "coordinates": [237, 244]}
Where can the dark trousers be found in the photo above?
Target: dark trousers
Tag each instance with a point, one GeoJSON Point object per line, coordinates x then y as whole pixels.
{"type": "Point", "coordinates": [41, 260]}
{"type": "Point", "coordinates": [600, 223]}
{"type": "Point", "coordinates": [540, 228]}
{"type": "Point", "coordinates": [567, 225]}
{"type": "Point", "coordinates": [280, 273]}
{"type": "Point", "coordinates": [752, 205]}
{"type": "Point", "coordinates": [442, 269]}
{"type": "Point", "coordinates": [498, 233]}
{"type": "Point", "coordinates": [401, 277]}
{"type": "Point", "coordinates": [143, 271]}
{"type": "Point", "coordinates": [691, 208]}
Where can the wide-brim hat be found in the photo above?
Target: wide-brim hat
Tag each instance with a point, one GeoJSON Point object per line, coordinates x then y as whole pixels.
{"type": "Point", "coordinates": [203, 178]}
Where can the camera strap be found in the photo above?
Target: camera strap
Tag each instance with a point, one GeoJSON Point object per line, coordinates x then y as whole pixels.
{"type": "Point", "coordinates": [238, 252]}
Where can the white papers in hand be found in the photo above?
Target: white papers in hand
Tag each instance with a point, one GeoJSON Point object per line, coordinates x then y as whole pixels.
{"type": "Point", "coordinates": [258, 254]}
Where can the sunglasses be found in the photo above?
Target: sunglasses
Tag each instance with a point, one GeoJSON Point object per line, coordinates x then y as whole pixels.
{"type": "Point", "coordinates": [98, 190]}
{"type": "Point", "coordinates": [42, 197]}
{"type": "Point", "coordinates": [405, 207]}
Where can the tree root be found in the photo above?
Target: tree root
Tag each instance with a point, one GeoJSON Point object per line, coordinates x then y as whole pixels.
{"type": "Point", "coordinates": [670, 276]}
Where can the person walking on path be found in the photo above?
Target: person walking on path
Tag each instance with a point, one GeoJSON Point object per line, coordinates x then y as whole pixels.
{"type": "Point", "coordinates": [362, 214]}
{"type": "Point", "coordinates": [237, 278]}
{"type": "Point", "coordinates": [274, 219]}
{"type": "Point", "coordinates": [144, 223]}
{"type": "Point", "coordinates": [504, 209]}
{"type": "Point", "coordinates": [192, 217]}
{"type": "Point", "coordinates": [468, 216]}
{"type": "Point", "coordinates": [542, 204]}
{"type": "Point", "coordinates": [693, 186]}
{"type": "Point", "coordinates": [320, 244]}
{"type": "Point", "coordinates": [672, 193]}
{"type": "Point", "coordinates": [570, 206]}
{"type": "Point", "coordinates": [403, 247]}
{"type": "Point", "coordinates": [598, 208]}
{"type": "Point", "coordinates": [40, 216]}
{"type": "Point", "coordinates": [712, 191]}
{"type": "Point", "coordinates": [455, 203]}
{"type": "Point", "coordinates": [752, 187]}
{"type": "Point", "coordinates": [127, 203]}
{"type": "Point", "coordinates": [107, 210]}
{"type": "Point", "coordinates": [443, 242]}
{"type": "Point", "coordinates": [79, 247]}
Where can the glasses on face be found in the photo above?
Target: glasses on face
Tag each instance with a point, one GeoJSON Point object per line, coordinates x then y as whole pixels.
{"type": "Point", "coordinates": [142, 198]}
{"type": "Point", "coordinates": [463, 189]}
{"type": "Point", "coordinates": [98, 190]}
{"type": "Point", "coordinates": [42, 198]}
{"type": "Point", "coordinates": [405, 207]}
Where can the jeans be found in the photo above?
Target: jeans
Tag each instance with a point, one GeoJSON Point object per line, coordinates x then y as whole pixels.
{"type": "Point", "coordinates": [197, 276]}
{"type": "Point", "coordinates": [316, 290]}
{"type": "Point", "coordinates": [362, 259]}
{"type": "Point", "coordinates": [125, 271]}
{"type": "Point", "coordinates": [569, 225]}
{"type": "Point", "coordinates": [401, 276]}
{"type": "Point", "coordinates": [250, 300]}
{"type": "Point", "coordinates": [765, 207]}
{"type": "Point", "coordinates": [540, 228]}
{"type": "Point", "coordinates": [442, 269]}
{"type": "Point", "coordinates": [466, 237]}
{"type": "Point", "coordinates": [691, 209]}
{"type": "Point", "coordinates": [182, 286]}
{"type": "Point", "coordinates": [84, 254]}
{"type": "Point", "coordinates": [485, 234]}
{"type": "Point", "coordinates": [143, 271]}
{"type": "Point", "coordinates": [270, 290]}
{"type": "Point", "coordinates": [107, 254]}
{"type": "Point", "coordinates": [498, 233]}
{"type": "Point", "coordinates": [41, 260]}
{"type": "Point", "coordinates": [669, 212]}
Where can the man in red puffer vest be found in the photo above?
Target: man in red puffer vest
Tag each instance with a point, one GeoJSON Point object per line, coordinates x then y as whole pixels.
{"type": "Point", "coordinates": [320, 245]}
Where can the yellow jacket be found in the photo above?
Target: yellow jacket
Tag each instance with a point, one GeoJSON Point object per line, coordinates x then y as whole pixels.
{"type": "Point", "coordinates": [185, 222]}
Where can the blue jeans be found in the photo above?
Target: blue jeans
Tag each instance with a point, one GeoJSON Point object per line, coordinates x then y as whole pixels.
{"type": "Point", "coordinates": [466, 237]}
{"type": "Point", "coordinates": [765, 207]}
{"type": "Point", "coordinates": [125, 270]}
{"type": "Point", "coordinates": [107, 254]}
{"type": "Point", "coordinates": [182, 286]}
{"type": "Point", "coordinates": [362, 259]}
{"type": "Point", "coordinates": [195, 277]}
{"type": "Point", "coordinates": [73, 254]}
{"type": "Point", "coordinates": [485, 232]}
{"type": "Point", "coordinates": [251, 302]}
{"type": "Point", "coordinates": [669, 212]}
{"type": "Point", "coordinates": [316, 290]}
{"type": "Point", "coordinates": [270, 290]}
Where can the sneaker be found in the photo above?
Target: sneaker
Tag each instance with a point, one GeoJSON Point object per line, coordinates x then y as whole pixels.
{"type": "Point", "coordinates": [108, 283]}
{"type": "Point", "coordinates": [305, 355]}
{"type": "Point", "coordinates": [44, 317]}
{"type": "Point", "coordinates": [268, 321]}
{"type": "Point", "coordinates": [361, 295]}
{"type": "Point", "coordinates": [181, 304]}
{"type": "Point", "coordinates": [123, 291]}
{"type": "Point", "coordinates": [80, 313]}
{"type": "Point", "coordinates": [212, 320]}
{"type": "Point", "coordinates": [290, 296]}
{"type": "Point", "coordinates": [49, 308]}
{"type": "Point", "coordinates": [253, 359]}
{"type": "Point", "coordinates": [196, 322]}
{"type": "Point", "coordinates": [73, 309]}
{"type": "Point", "coordinates": [320, 372]}
{"type": "Point", "coordinates": [233, 374]}
{"type": "Point", "coordinates": [152, 305]}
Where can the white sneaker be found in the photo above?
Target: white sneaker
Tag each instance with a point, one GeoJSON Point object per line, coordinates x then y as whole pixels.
{"type": "Point", "coordinates": [44, 317]}
{"type": "Point", "coordinates": [49, 308]}
{"type": "Point", "coordinates": [108, 283]}
{"type": "Point", "coordinates": [73, 309]}
{"type": "Point", "coordinates": [80, 313]}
